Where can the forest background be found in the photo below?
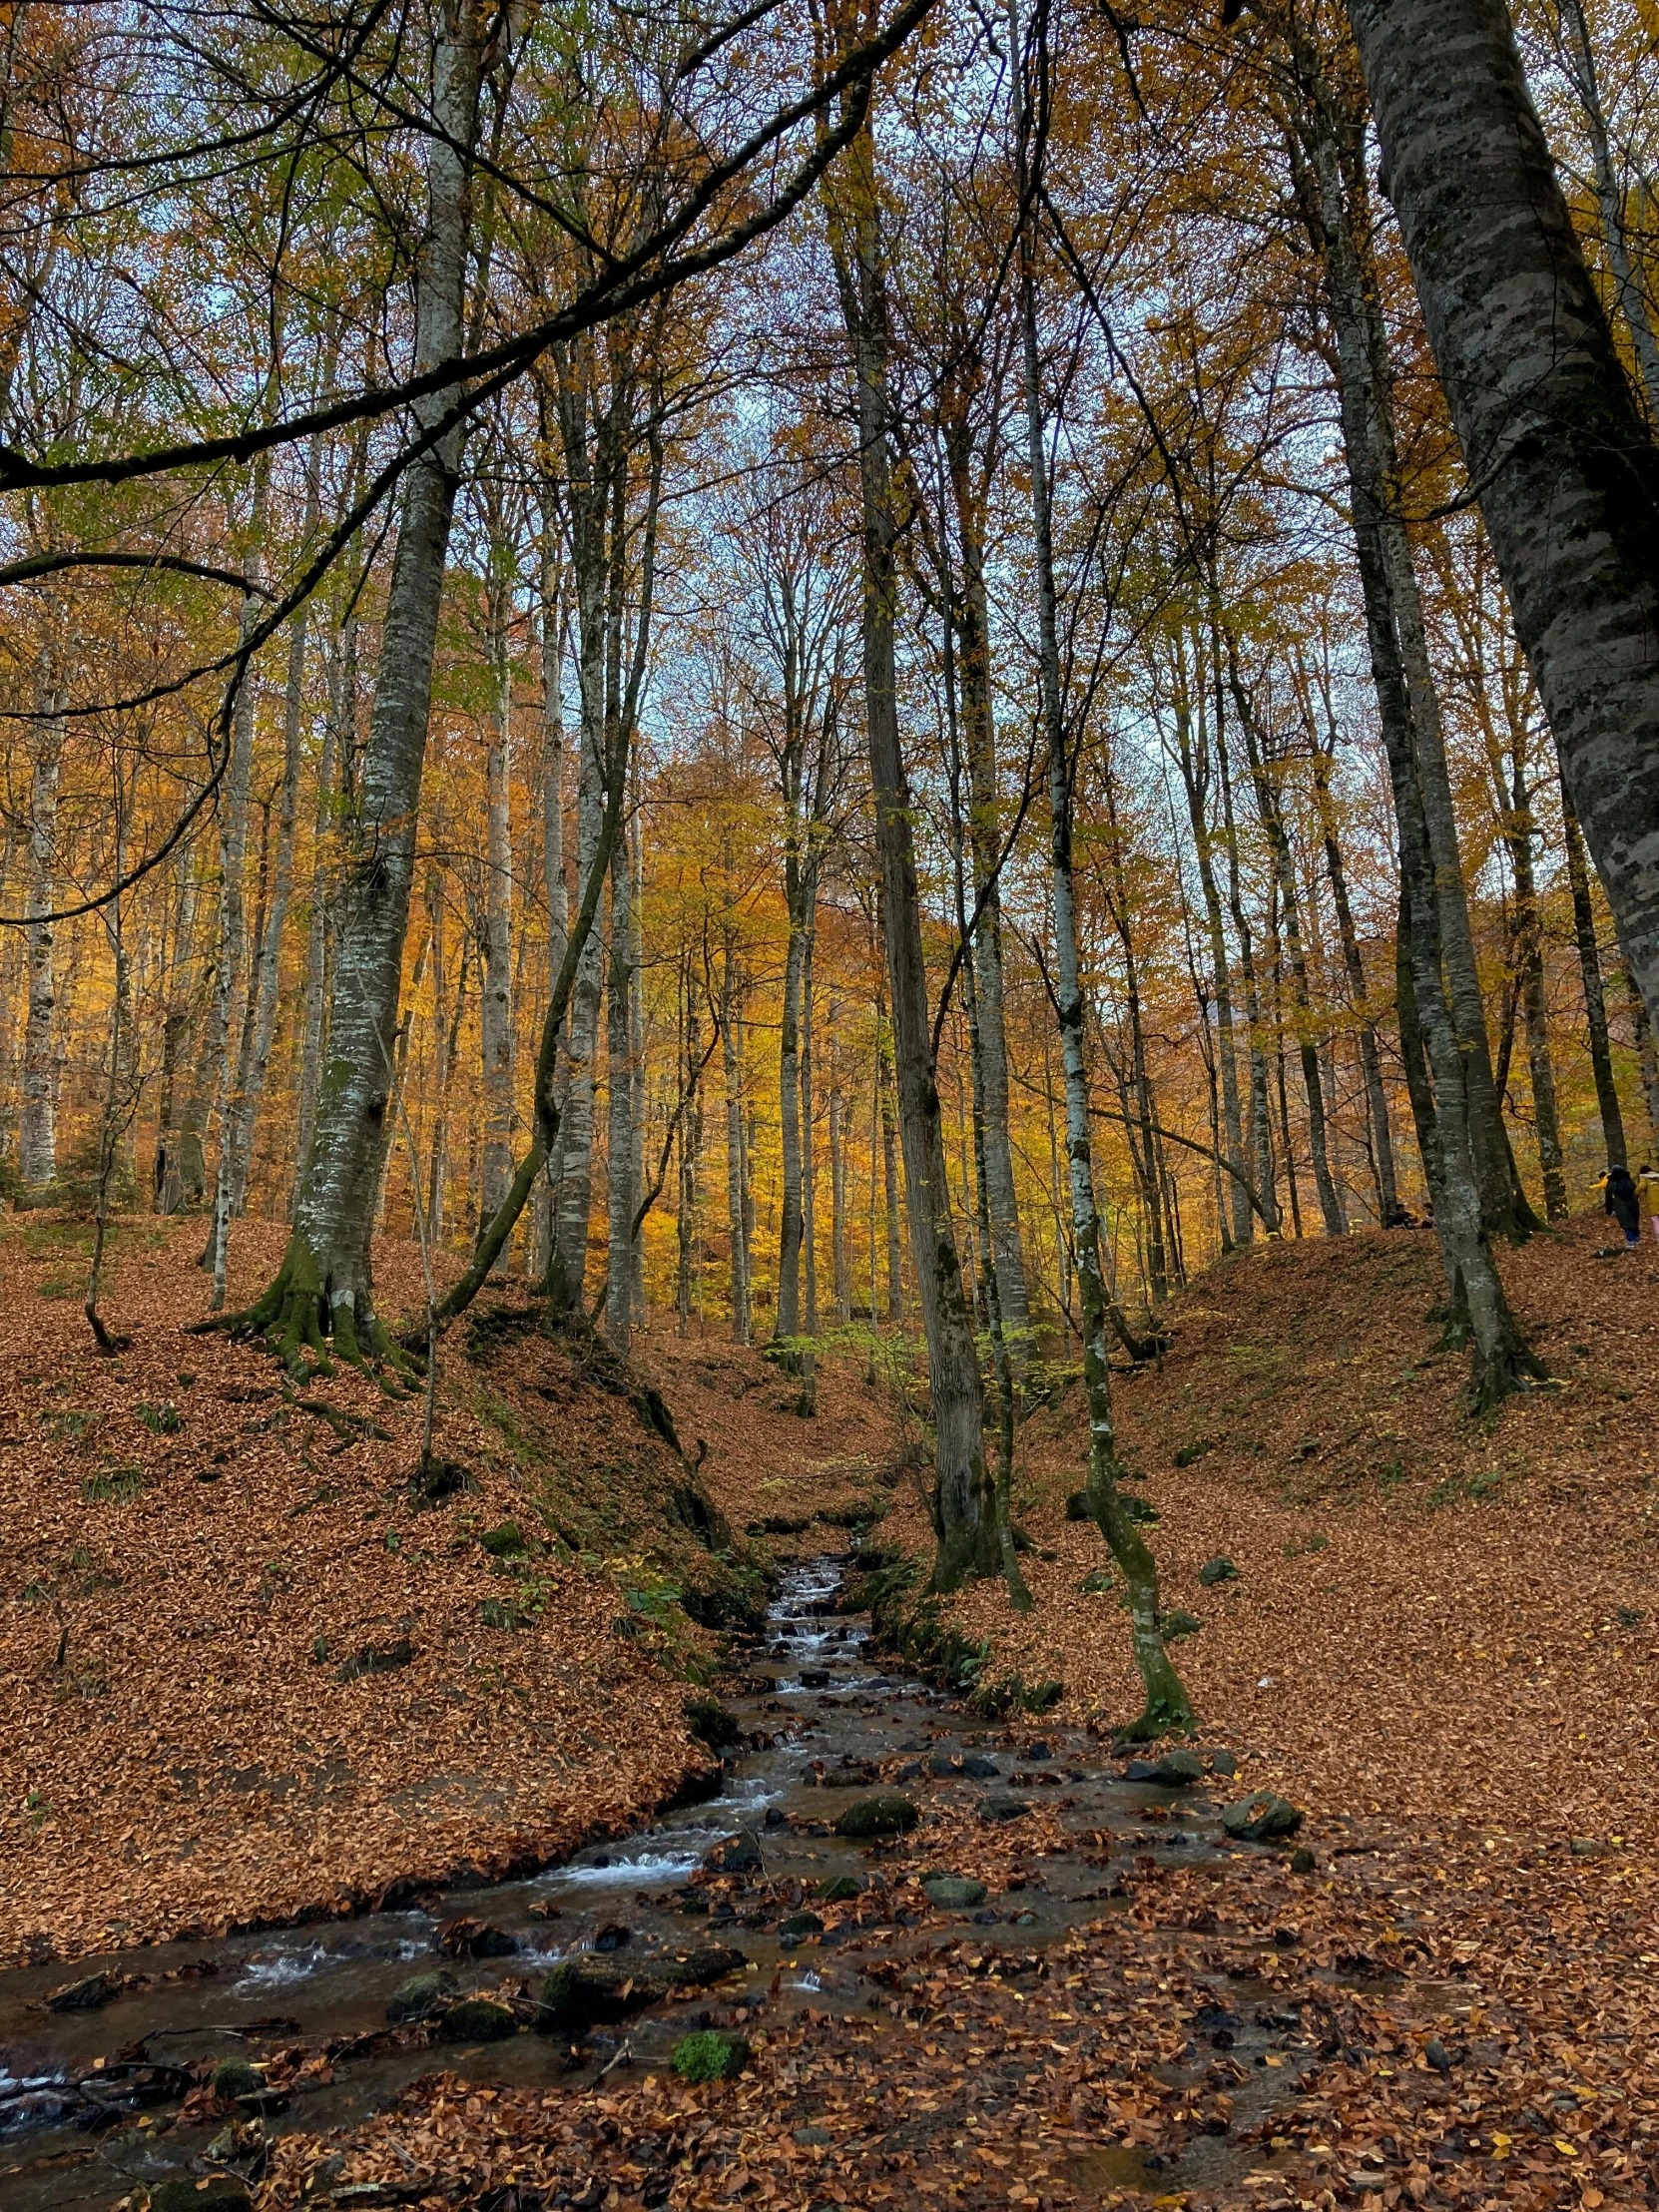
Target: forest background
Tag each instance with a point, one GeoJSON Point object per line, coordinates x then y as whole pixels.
{"type": "Point", "coordinates": [952, 554]}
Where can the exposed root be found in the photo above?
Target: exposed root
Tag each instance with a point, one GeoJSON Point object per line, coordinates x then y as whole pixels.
{"type": "Point", "coordinates": [351, 1428]}
{"type": "Point", "coordinates": [296, 1320]}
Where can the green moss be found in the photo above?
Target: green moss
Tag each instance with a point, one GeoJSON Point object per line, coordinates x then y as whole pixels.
{"type": "Point", "coordinates": [709, 2055]}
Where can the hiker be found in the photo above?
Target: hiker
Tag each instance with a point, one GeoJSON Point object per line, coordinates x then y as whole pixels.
{"type": "Point", "coordinates": [1621, 1202]}
{"type": "Point", "coordinates": [1647, 1183]}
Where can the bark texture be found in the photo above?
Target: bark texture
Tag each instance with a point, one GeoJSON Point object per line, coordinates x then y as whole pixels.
{"type": "Point", "coordinates": [1565, 470]}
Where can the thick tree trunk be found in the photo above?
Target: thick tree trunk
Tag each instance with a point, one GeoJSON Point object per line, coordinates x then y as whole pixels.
{"type": "Point", "coordinates": [555, 888]}
{"type": "Point", "coordinates": [1566, 474]}
{"type": "Point", "coordinates": [325, 1281]}
{"type": "Point", "coordinates": [884, 1083]}
{"type": "Point", "coordinates": [1501, 1359]}
{"type": "Point", "coordinates": [637, 1070]}
{"type": "Point", "coordinates": [1648, 1061]}
{"type": "Point", "coordinates": [574, 1160]}
{"type": "Point", "coordinates": [808, 1149]}
{"type": "Point", "coordinates": [788, 1322]}
{"type": "Point", "coordinates": [688, 1145]}
{"type": "Point", "coordinates": [964, 1504]}
{"type": "Point", "coordinates": [1261, 1120]}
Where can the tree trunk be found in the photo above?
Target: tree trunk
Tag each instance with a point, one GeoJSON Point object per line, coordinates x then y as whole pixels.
{"type": "Point", "coordinates": [178, 1021]}
{"type": "Point", "coordinates": [1502, 1360]}
{"type": "Point", "coordinates": [1595, 1002]}
{"type": "Point", "coordinates": [1566, 474]}
{"type": "Point", "coordinates": [736, 1207]}
{"type": "Point", "coordinates": [837, 1173]}
{"type": "Point", "coordinates": [1342, 231]}
{"type": "Point", "coordinates": [1195, 777]}
{"type": "Point", "coordinates": [554, 883]}
{"type": "Point", "coordinates": [964, 1504]}
{"type": "Point", "coordinates": [1260, 1122]}
{"type": "Point", "coordinates": [1377, 1099]}
{"type": "Point", "coordinates": [1627, 285]}
{"type": "Point", "coordinates": [1647, 1059]}
{"type": "Point", "coordinates": [496, 1002]}
{"type": "Point", "coordinates": [808, 1150]}
{"type": "Point", "coordinates": [1520, 830]}
{"type": "Point", "coordinates": [618, 1119]}
{"type": "Point", "coordinates": [37, 1133]}
{"type": "Point", "coordinates": [889, 1152]}
{"type": "Point", "coordinates": [231, 997]}
{"type": "Point", "coordinates": [985, 846]}
{"type": "Point", "coordinates": [1279, 842]}
{"type": "Point", "coordinates": [336, 746]}
{"type": "Point", "coordinates": [1166, 1705]}
{"type": "Point", "coordinates": [788, 1321]}
{"type": "Point", "coordinates": [325, 1280]}
{"type": "Point", "coordinates": [572, 1166]}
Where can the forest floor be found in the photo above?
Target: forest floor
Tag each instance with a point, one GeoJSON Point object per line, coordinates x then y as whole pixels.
{"type": "Point", "coordinates": [248, 1675]}
{"type": "Point", "coordinates": [1441, 1643]}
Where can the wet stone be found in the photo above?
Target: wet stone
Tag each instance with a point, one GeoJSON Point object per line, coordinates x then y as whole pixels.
{"type": "Point", "coordinates": [85, 1996]}
{"type": "Point", "coordinates": [477, 2020]}
{"type": "Point", "coordinates": [234, 2078]}
{"type": "Point", "coordinates": [878, 1815]}
{"type": "Point", "coordinates": [1261, 1819]}
{"type": "Point", "coordinates": [186, 2193]}
{"type": "Point", "coordinates": [422, 1995]}
{"type": "Point", "coordinates": [1003, 1808]}
{"type": "Point", "coordinates": [955, 1892]}
{"type": "Point", "coordinates": [1178, 1770]}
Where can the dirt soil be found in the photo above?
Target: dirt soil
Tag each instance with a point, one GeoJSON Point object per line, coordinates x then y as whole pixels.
{"type": "Point", "coordinates": [246, 1674]}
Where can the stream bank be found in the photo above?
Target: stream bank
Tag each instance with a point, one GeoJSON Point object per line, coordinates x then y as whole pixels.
{"type": "Point", "coordinates": [819, 1930]}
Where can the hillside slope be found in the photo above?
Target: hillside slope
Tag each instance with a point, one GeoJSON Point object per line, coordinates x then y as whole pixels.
{"type": "Point", "coordinates": [1432, 1616]}
{"type": "Point", "coordinates": [245, 1673]}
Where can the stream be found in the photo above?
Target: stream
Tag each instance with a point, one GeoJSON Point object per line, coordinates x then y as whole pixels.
{"type": "Point", "coordinates": [88, 2098]}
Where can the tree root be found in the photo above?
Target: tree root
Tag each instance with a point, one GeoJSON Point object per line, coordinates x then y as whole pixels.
{"type": "Point", "coordinates": [288, 1318]}
{"type": "Point", "coordinates": [351, 1428]}
{"type": "Point", "coordinates": [1165, 1716]}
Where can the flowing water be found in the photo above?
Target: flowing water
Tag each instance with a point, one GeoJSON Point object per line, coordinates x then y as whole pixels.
{"type": "Point", "coordinates": [87, 2097]}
